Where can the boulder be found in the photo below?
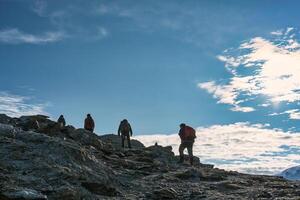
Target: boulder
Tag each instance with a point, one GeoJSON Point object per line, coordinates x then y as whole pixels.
{"type": "Point", "coordinates": [165, 193]}
{"type": "Point", "coordinates": [4, 119]}
{"type": "Point", "coordinates": [116, 142]}
{"type": "Point", "coordinates": [24, 194]}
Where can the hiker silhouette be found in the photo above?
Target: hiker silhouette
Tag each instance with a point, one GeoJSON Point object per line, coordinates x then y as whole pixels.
{"type": "Point", "coordinates": [61, 121]}
{"type": "Point", "coordinates": [125, 131]}
{"type": "Point", "coordinates": [187, 135]}
{"type": "Point", "coordinates": [89, 123]}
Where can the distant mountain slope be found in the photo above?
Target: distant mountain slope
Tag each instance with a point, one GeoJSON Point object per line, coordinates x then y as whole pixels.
{"type": "Point", "coordinates": [292, 173]}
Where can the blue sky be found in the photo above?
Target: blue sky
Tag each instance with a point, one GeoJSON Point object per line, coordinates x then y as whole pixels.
{"type": "Point", "coordinates": [140, 60]}
{"type": "Point", "coordinates": [156, 63]}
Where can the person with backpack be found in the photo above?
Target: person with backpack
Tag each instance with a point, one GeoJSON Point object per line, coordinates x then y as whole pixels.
{"type": "Point", "coordinates": [61, 121]}
{"type": "Point", "coordinates": [187, 135]}
{"type": "Point", "coordinates": [89, 123]}
{"type": "Point", "coordinates": [125, 131]}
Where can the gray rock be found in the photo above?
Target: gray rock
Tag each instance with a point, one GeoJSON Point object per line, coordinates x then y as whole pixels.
{"type": "Point", "coordinates": [116, 143]}
{"type": "Point", "coordinates": [4, 119]}
{"type": "Point", "coordinates": [165, 193]}
{"type": "Point", "coordinates": [26, 194]}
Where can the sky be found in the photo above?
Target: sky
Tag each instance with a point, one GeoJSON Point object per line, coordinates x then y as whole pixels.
{"type": "Point", "coordinates": [230, 68]}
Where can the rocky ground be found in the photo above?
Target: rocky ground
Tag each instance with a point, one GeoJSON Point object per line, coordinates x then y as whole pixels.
{"type": "Point", "coordinates": [48, 162]}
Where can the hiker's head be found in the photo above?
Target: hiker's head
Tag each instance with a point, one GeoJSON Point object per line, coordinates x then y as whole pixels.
{"type": "Point", "coordinates": [182, 125]}
{"type": "Point", "coordinates": [88, 115]}
{"type": "Point", "coordinates": [125, 121]}
{"type": "Point", "coordinates": [61, 116]}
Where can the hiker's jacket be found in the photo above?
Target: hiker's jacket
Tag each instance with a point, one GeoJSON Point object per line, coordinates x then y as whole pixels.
{"type": "Point", "coordinates": [187, 133]}
{"type": "Point", "coordinates": [125, 129]}
{"type": "Point", "coordinates": [61, 120]}
{"type": "Point", "coordinates": [89, 123]}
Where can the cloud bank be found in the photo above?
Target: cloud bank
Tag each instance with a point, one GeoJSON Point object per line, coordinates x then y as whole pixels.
{"type": "Point", "coordinates": [243, 147]}
{"type": "Point", "coordinates": [16, 106]}
{"type": "Point", "coordinates": [260, 67]}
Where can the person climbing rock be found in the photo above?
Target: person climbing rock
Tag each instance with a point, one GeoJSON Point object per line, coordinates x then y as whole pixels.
{"type": "Point", "coordinates": [89, 123]}
{"type": "Point", "coordinates": [61, 121]}
{"type": "Point", "coordinates": [187, 135]}
{"type": "Point", "coordinates": [125, 131]}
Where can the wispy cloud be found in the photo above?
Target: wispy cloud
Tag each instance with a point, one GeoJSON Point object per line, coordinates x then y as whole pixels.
{"type": "Point", "coordinates": [39, 7]}
{"type": "Point", "coordinates": [244, 147]}
{"type": "Point", "coordinates": [15, 105]}
{"type": "Point", "coordinates": [66, 20]}
{"type": "Point", "coordinates": [260, 67]}
{"type": "Point", "coordinates": [15, 36]}
{"type": "Point", "coordinates": [186, 20]}
{"type": "Point", "coordinates": [101, 33]}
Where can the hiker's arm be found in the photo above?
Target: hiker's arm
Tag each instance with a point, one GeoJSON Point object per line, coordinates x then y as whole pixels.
{"type": "Point", "coordinates": [119, 131]}
{"type": "Point", "coordinates": [130, 130]}
{"type": "Point", "coordinates": [180, 132]}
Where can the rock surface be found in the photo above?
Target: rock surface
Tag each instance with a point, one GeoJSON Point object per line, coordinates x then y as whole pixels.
{"type": "Point", "coordinates": [67, 163]}
{"type": "Point", "coordinates": [116, 141]}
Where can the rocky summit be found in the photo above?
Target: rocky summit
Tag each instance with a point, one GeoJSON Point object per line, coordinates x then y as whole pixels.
{"type": "Point", "coordinates": [49, 162]}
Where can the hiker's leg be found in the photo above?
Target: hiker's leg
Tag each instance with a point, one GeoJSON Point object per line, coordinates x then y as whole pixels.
{"type": "Point", "coordinates": [181, 149]}
{"type": "Point", "coordinates": [190, 151]}
{"type": "Point", "coordinates": [128, 140]}
{"type": "Point", "coordinates": [123, 140]}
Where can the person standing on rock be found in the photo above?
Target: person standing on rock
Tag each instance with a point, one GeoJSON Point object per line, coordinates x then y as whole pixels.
{"type": "Point", "coordinates": [61, 121]}
{"type": "Point", "coordinates": [89, 123]}
{"type": "Point", "coordinates": [125, 131]}
{"type": "Point", "coordinates": [187, 135]}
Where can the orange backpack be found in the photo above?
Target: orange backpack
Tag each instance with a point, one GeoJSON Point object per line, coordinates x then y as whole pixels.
{"type": "Point", "coordinates": [189, 133]}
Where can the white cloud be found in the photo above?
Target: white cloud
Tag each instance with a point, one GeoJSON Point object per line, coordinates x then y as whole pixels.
{"type": "Point", "coordinates": [277, 33]}
{"type": "Point", "coordinates": [262, 67]}
{"type": "Point", "coordinates": [226, 94]}
{"type": "Point", "coordinates": [244, 147]}
{"type": "Point", "coordinates": [15, 36]}
{"type": "Point", "coordinates": [242, 109]}
{"type": "Point", "coordinates": [15, 105]}
{"type": "Point", "coordinates": [293, 113]}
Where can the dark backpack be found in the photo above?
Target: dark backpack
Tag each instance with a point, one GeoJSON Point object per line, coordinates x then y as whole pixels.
{"type": "Point", "coordinates": [189, 133]}
{"type": "Point", "coordinates": [125, 127]}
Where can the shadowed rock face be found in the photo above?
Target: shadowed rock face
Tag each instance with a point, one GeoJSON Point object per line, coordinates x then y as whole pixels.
{"type": "Point", "coordinates": [69, 163]}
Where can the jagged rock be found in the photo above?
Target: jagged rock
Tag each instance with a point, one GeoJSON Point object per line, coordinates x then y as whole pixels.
{"type": "Point", "coordinates": [228, 185]}
{"type": "Point", "coordinates": [4, 119]}
{"type": "Point", "coordinates": [189, 173]}
{"type": "Point", "coordinates": [160, 153]}
{"type": "Point", "coordinates": [24, 194]}
{"type": "Point", "coordinates": [116, 142]}
{"type": "Point", "coordinates": [47, 160]}
{"type": "Point", "coordinates": [165, 193]}
{"type": "Point", "coordinates": [196, 160]}
{"type": "Point", "coordinates": [100, 188]}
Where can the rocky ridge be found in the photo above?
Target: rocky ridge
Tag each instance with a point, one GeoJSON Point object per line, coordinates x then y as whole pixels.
{"type": "Point", "coordinates": [49, 162]}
